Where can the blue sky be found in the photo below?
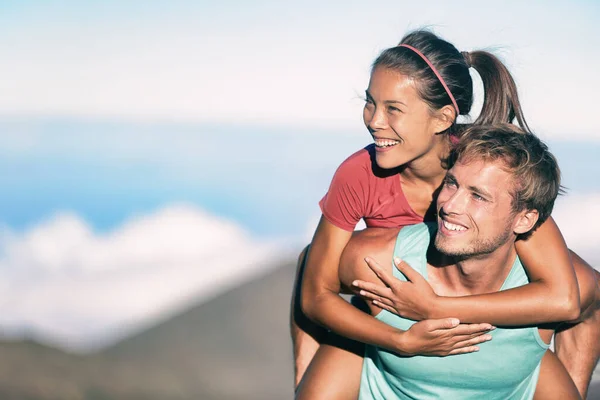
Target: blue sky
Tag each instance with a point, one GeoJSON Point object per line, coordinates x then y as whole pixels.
{"type": "Point", "coordinates": [221, 123]}
{"type": "Point", "coordinates": [270, 180]}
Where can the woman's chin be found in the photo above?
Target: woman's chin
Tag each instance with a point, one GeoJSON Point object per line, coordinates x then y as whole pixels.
{"type": "Point", "coordinates": [384, 161]}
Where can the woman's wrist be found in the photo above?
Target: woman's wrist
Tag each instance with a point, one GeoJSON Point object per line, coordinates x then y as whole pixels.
{"type": "Point", "coordinates": [402, 344]}
{"type": "Point", "coordinates": [433, 308]}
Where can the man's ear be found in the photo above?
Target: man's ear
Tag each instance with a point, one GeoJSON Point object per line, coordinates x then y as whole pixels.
{"type": "Point", "coordinates": [446, 117]}
{"type": "Point", "coordinates": [525, 221]}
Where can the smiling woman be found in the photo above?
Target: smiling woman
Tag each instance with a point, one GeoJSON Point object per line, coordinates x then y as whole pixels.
{"type": "Point", "coordinates": [415, 93]}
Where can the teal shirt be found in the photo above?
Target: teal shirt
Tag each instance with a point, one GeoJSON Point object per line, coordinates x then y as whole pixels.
{"type": "Point", "coordinates": [507, 367]}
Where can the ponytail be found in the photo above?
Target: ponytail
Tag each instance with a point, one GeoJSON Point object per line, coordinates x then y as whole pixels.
{"type": "Point", "coordinates": [501, 100]}
{"type": "Point", "coordinates": [441, 73]}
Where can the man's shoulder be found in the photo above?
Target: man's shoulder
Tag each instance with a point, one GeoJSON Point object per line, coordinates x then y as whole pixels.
{"type": "Point", "coordinates": [425, 231]}
{"type": "Point", "coordinates": [412, 243]}
{"type": "Point", "coordinates": [517, 275]}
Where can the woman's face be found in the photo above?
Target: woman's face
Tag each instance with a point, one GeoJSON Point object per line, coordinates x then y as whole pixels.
{"type": "Point", "coordinates": [400, 122]}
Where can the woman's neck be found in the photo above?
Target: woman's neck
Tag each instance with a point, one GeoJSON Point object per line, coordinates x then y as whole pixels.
{"type": "Point", "coordinates": [430, 168]}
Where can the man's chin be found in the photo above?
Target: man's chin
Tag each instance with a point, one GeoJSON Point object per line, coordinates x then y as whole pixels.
{"type": "Point", "coordinates": [450, 249]}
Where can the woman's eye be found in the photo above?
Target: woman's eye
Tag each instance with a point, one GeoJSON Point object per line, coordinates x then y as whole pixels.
{"type": "Point", "coordinates": [393, 109]}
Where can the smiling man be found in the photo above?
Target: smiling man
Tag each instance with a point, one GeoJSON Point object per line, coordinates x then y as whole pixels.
{"type": "Point", "coordinates": [501, 187]}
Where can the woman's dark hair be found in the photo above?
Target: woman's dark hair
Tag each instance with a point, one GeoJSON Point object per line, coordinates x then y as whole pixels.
{"type": "Point", "coordinates": [501, 101]}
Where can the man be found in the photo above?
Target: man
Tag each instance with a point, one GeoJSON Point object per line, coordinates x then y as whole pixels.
{"type": "Point", "coordinates": [502, 185]}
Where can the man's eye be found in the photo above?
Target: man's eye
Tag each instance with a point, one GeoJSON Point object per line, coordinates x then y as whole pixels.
{"type": "Point", "coordinates": [394, 109]}
{"type": "Point", "coordinates": [478, 197]}
{"type": "Point", "coordinates": [449, 183]}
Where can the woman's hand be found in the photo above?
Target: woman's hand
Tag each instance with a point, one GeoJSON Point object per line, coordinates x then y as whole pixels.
{"type": "Point", "coordinates": [443, 337]}
{"type": "Point", "coordinates": [412, 299]}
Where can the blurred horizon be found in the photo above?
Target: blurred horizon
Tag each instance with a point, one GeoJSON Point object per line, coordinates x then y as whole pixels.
{"type": "Point", "coordinates": [166, 219]}
{"type": "Point", "coordinates": [157, 153]}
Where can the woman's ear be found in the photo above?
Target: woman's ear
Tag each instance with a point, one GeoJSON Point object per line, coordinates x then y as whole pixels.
{"type": "Point", "coordinates": [445, 118]}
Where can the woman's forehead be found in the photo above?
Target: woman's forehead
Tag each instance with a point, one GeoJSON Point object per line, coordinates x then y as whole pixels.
{"type": "Point", "coordinates": [389, 83]}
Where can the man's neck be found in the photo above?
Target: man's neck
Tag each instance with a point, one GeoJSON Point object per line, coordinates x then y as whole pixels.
{"type": "Point", "coordinates": [475, 275]}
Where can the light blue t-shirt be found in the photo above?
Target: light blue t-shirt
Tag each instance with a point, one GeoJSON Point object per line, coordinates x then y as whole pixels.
{"type": "Point", "coordinates": [507, 367]}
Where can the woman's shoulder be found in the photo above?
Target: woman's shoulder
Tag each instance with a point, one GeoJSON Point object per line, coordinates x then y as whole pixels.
{"type": "Point", "coordinates": [362, 160]}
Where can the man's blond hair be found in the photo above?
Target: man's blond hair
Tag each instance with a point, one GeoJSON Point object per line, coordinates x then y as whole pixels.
{"type": "Point", "coordinates": [535, 170]}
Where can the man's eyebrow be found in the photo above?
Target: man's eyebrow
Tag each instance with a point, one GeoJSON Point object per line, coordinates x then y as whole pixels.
{"type": "Point", "coordinates": [475, 189]}
{"type": "Point", "coordinates": [481, 191]}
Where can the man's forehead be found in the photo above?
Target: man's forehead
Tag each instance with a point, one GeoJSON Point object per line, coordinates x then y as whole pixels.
{"type": "Point", "coordinates": [481, 170]}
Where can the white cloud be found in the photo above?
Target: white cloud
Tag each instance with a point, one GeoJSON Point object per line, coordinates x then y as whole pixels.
{"type": "Point", "coordinates": [77, 288]}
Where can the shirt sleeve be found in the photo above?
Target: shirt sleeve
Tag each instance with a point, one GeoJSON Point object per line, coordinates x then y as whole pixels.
{"type": "Point", "coordinates": [345, 202]}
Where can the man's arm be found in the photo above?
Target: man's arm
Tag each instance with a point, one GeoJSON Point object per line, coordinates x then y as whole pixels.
{"type": "Point", "coordinates": [577, 344]}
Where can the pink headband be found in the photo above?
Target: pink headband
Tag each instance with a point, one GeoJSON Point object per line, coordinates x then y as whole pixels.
{"type": "Point", "coordinates": [436, 74]}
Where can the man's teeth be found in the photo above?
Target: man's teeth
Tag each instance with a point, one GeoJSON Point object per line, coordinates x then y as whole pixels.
{"type": "Point", "coordinates": [385, 142]}
{"type": "Point", "coordinates": [453, 227]}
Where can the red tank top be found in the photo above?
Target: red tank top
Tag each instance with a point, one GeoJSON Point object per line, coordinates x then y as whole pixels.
{"type": "Point", "coordinates": [360, 189]}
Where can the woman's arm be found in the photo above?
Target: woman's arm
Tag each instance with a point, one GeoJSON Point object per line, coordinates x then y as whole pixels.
{"type": "Point", "coordinates": [307, 336]}
{"type": "Point", "coordinates": [320, 290]}
{"type": "Point", "coordinates": [551, 296]}
{"type": "Point", "coordinates": [321, 302]}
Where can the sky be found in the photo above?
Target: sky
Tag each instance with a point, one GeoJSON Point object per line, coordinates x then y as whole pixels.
{"type": "Point", "coordinates": [156, 153]}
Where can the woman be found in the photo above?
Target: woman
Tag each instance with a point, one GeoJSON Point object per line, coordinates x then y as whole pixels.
{"type": "Point", "coordinates": [416, 92]}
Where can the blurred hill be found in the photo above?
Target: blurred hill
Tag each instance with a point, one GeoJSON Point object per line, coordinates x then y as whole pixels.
{"type": "Point", "coordinates": [235, 346]}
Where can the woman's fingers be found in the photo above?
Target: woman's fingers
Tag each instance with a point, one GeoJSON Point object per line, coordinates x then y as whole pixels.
{"type": "Point", "coordinates": [373, 288]}
{"type": "Point", "coordinates": [385, 307]}
{"type": "Point", "coordinates": [375, 297]}
{"type": "Point", "coordinates": [407, 270]}
{"type": "Point", "coordinates": [385, 277]}
{"type": "Point", "coordinates": [478, 336]}
{"type": "Point", "coordinates": [470, 345]}
{"type": "Point", "coordinates": [470, 329]}
{"type": "Point", "coordinates": [464, 350]}
{"type": "Point", "coordinates": [473, 341]}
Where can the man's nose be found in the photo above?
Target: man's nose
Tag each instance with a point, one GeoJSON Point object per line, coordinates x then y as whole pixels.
{"type": "Point", "coordinates": [455, 203]}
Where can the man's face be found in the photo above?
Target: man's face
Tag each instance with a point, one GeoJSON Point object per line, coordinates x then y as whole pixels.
{"type": "Point", "coordinates": [475, 215]}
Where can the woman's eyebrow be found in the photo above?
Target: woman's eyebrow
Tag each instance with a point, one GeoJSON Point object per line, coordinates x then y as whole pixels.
{"type": "Point", "coordinates": [394, 102]}
{"type": "Point", "coordinates": [368, 96]}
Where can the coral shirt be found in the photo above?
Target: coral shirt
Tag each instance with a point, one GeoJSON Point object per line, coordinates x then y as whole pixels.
{"type": "Point", "coordinates": [360, 189]}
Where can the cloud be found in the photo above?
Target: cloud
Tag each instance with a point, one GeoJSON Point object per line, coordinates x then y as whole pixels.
{"type": "Point", "coordinates": [80, 289]}
{"type": "Point", "coordinates": [76, 288]}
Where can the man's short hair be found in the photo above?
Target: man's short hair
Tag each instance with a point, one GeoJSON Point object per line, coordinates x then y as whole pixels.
{"type": "Point", "coordinates": [524, 155]}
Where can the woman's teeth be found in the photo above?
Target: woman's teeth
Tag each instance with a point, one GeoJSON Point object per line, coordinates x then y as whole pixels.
{"type": "Point", "coordinates": [385, 142]}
